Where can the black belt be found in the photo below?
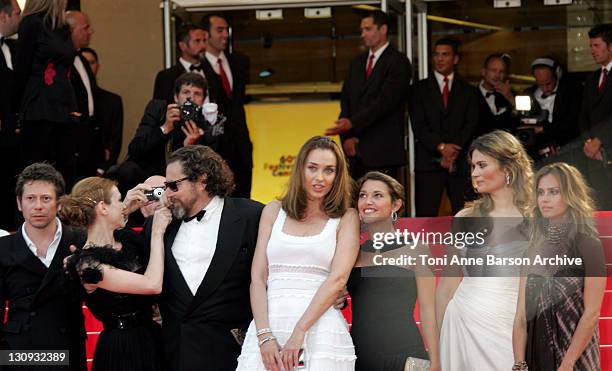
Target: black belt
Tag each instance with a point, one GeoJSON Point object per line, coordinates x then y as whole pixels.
{"type": "Point", "coordinates": [127, 321]}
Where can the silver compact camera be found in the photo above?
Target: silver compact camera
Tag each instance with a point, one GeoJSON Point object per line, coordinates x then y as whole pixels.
{"type": "Point", "coordinates": [155, 194]}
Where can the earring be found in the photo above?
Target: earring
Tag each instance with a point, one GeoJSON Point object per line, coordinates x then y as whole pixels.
{"type": "Point", "coordinates": [507, 178]}
{"type": "Point", "coordinates": [394, 217]}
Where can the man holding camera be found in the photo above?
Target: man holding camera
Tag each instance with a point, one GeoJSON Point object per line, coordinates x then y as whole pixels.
{"type": "Point", "coordinates": [555, 101]}
{"type": "Point", "coordinates": [164, 128]}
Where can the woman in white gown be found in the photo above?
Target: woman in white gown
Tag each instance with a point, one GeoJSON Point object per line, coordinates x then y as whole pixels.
{"type": "Point", "coordinates": [475, 305]}
{"type": "Point", "coordinates": [306, 247]}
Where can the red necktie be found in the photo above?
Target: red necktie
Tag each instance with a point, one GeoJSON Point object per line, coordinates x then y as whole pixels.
{"type": "Point", "coordinates": [224, 80]}
{"type": "Point", "coordinates": [370, 65]}
{"type": "Point", "coordinates": [445, 93]}
{"type": "Point", "coordinates": [602, 84]}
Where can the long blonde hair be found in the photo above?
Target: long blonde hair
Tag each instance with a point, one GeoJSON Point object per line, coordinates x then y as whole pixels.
{"type": "Point", "coordinates": [512, 159]}
{"type": "Point", "coordinates": [336, 201]}
{"type": "Point", "coordinates": [54, 11]}
{"type": "Point", "coordinates": [575, 192]}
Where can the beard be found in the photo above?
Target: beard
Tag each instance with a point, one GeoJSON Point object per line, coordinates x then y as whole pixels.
{"type": "Point", "coordinates": [178, 212]}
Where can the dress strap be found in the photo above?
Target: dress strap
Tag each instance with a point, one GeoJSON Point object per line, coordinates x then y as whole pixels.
{"type": "Point", "coordinates": [277, 227]}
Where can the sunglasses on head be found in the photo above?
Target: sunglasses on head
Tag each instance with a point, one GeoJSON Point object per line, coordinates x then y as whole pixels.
{"type": "Point", "coordinates": [173, 185]}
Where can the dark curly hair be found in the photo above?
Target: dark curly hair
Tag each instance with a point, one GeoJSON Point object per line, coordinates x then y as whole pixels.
{"type": "Point", "coordinates": [198, 160]}
{"type": "Point", "coordinates": [43, 172]}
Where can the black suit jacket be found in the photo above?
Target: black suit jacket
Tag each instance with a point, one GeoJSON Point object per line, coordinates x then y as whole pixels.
{"type": "Point", "coordinates": [487, 121]}
{"type": "Point", "coordinates": [149, 146]}
{"type": "Point", "coordinates": [43, 313]}
{"type": "Point", "coordinates": [377, 107]}
{"type": "Point", "coordinates": [164, 82]}
{"type": "Point", "coordinates": [564, 126]}
{"type": "Point", "coordinates": [197, 329]}
{"type": "Point", "coordinates": [432, 124]}
{"type": "Point", "coordinates": [7, 115]}
{"type": "Point", "coordinates": [235, 145]}
{"type": "Point", "coordinates": [109, 115]}
{"type": "Point", "coordinates": [90, 144]}
{"type": "Point", "coordinates": [596, 112]}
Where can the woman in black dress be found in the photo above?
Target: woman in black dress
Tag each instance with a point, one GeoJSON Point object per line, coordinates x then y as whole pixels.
{"type": "Point", "coordinates": [119, 275]}
{"type": "Point", "coordinates": [43, 94]}
{"type": "Point", "coordinates": [384, 332]}
{"type": "Point", "coordinates": [556, 323]}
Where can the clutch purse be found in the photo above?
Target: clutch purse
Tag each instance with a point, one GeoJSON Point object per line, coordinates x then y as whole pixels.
{"type": "Point", "coordinates": [416, 364]}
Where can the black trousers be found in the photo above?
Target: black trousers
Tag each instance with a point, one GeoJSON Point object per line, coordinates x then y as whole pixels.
{"type": "Point", "coordinates": [429, 187]}
{"type": "Point", "coordinates": [52, 142]}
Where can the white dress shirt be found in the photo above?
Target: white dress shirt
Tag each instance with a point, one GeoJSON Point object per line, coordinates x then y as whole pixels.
{"type": "Point", "coordinates": [46, 260]}
{"type": "Point", "coordinates": [548, 102]}
{"type": "Point", "coordinates": [490, 100]}
{"type": "Point", "coordinates": [440, 80]}
{"type": "Point", "coordinates": [196, 242]}
{"type": "Point", "coordinates": [601, 75]}
{"type": "Point", "coordinates": [7, 54]}
{"type": "Point", "coordinates": [377, 55]}
{"type": "Point", "coordinates": [187, 66]}
{"type": "Point", "coordinates": [226, 67]}
{"type": "Point", "coordinates": [78, 64]}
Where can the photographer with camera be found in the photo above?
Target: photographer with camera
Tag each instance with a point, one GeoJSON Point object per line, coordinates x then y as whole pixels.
{"type": "Point", "coordinates": [165, 128]}
{"type": "Point", "coordinates": [555, 106]}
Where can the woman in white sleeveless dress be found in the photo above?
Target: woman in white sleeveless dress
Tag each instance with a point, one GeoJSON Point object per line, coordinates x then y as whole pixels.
{"type": "Point", "coordinates": [306, 247]}
{"type": "Point", "coordinates": [476, 305]}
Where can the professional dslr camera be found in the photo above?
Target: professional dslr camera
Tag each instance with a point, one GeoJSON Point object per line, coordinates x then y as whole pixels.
{"type": "Point", "coordinates": [529, 116]}
{"type": "Point", "coordinates": [205, 117]}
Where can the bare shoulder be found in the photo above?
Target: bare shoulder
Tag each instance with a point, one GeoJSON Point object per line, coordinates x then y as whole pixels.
{"type": "Point", "coordinates": [270, 211]}
{"type": "Point", "coordinates": [465, 212]}
{"type": "Point", "coordinates": [350, 216]}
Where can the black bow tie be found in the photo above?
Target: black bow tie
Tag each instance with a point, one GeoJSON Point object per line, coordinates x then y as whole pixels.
{"type": "Point", "coordinates": [2, 40]}
{"type": "Point", "coordinates": [544, 96]}
{"type": "Point", "coordinates": [489, 93]}
{"type": "Point", "coordinates": [193, 67]}
{"type": "Point", "coordinates": [199, 216]}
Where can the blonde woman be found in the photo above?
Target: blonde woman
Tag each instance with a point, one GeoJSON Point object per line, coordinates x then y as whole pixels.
{"type": "Point", "coordinates": [306, 247]}
{"type": "Point", "coordinates": [556, 323]}
{"type": "Point", "coordinates": [475, 305]}
{"type": "Point", "coordinates": [43, 94]}
{"type": "Point", "coordinates": [119, 274]}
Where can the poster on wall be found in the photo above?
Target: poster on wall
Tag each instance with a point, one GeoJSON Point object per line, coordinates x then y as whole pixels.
{"type": "Point", "coordinates": [277, 131]}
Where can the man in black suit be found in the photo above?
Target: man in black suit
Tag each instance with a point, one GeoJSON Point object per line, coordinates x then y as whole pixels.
{"type": "Point", "coordinates": [227, 75]}
{"type": "Point", "coordinates": [43, 313]}
{"type": "Point", "coordinates": [373, 102]}
{"type": "Point", "coordinates": [9, 139]}
{"type": "Point", "coordinates": [109, 114]}
{"type": "Point", "coordinates": [191, 42]}
{"type": "Point", "coordinates": [596, 117]}
{"type": "Point", "coordinates": [211, 241]}
{"type": "Point", "coordinates": [161, 131]}
{"type": "Point", "coordinates": [89, 143]}
{"type": "Point", "coordinates": [444, 115]}
{"type": "Point", "coordinates": [496, 98]}
{"type": "Point", "coordinates": [560, 97]}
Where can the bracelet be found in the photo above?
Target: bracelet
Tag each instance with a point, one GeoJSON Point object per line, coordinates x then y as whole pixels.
{"type": "Point", "coordinates": [264, 331]}
{"type": "Point", "coordinates": [520, 366]}
{"type": "Point", "coordinates": [266, 339]}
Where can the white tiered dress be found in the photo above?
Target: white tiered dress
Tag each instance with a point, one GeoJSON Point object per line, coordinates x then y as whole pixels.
{"type": "Point", "coordinates": [297, 266]}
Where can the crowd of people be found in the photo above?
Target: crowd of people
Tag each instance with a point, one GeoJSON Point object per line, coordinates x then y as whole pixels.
{"type": "Point", "coordinates": [220, 281]}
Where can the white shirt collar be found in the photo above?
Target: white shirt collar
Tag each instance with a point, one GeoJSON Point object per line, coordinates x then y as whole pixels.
{"type": "Point", "coordinates": [379, 52]}
{"type": "Point", "coordinates": [52, 246]}
{"type": "Point", "coordinates": [607, 66]}
{"type": "Point", "coordinates": [213, 59]}
{"type": "Point", "coordinates": [440, 79]}
{"type": "Point", "coordinates": [213, 206]}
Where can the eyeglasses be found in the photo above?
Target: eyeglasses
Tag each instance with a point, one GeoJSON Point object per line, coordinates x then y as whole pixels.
{"type": "Point", "coordinates": [173, 185]}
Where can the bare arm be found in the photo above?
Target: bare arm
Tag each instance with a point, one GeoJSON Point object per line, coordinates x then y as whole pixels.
{"type": "Point", "coordinates": [347, 248]}
{"type": "Point", "coordinates": [426, 287]}
{"type": "Point", "coordinates": [259, 290]}
{"type": "Point", "coordinates": [519, 331]}
{"type": "Point", "coordinates": [149, 283]}
{"type": "Point", "coordinates": [593, 296]}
